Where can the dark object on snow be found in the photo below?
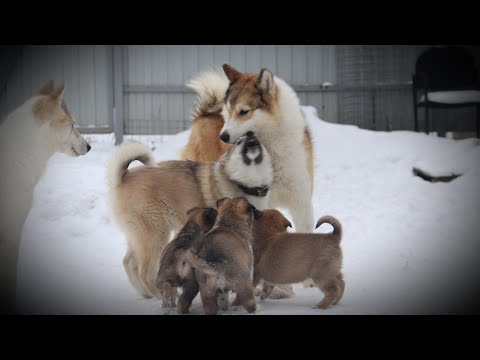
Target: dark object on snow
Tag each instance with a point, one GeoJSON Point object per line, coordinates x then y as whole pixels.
{"type": "Point", "coordinates": [434, 179]}
{"type": "Point", "coordinates": [451, 70]}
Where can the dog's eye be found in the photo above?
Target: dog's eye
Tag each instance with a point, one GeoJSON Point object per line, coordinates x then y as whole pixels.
{"type": "Point", "coordinates": [243, 112]}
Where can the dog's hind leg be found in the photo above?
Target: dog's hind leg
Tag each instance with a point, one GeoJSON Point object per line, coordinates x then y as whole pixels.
{"type": "Point", "coordinates": [331, 290]}
{"type": "Point", "coordinates": [190, 290]}
{"type": "Point", "coordinates": [149, 254]}
{"type": "Point", "coordinates": [341, 288]}
{"type": "Point", "coordinates": [246, 297]}
{"type": "Point", "coordinates": [209, 299]}
{"type": "Point", "coordinates": [302, 215]}
{"type": "Point", "coordinates": [130, 264]}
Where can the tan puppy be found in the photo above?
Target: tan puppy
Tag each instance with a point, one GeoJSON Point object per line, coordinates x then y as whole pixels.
{"type": "Point", "coordinates": [174, 270]}
{"type": "Point", "coordinates": [224, 260]}
{"type": "Point", "coordinates": [286, 258]}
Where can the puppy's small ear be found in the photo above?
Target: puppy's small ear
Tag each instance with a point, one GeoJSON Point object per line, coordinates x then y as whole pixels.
{"type": "Point", "coordinates": [221, 201]}
{"type": "Point", "coordinates": [265, 82]}
{"type": "Point", "coordinates": [232, 73]}
{"type": "Point", "coordinates": [46, 89]}
{"type": "Point", "coordinates": [210, 216]}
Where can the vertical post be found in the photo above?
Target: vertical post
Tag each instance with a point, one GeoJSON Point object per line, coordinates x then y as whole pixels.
{"type": "Point", "coordinates": [118, 93]}
{"type": "Point", "coordinates": [374, 119]}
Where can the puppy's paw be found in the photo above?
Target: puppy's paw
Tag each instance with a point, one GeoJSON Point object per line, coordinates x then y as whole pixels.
{"type": "Point", "coordinates": [169, 311]}
{"type": "Point", "coordinates": [281, 292]}
{"type": "Point", "coordinates": [308, 283]}
{"type": "Point", "coordinates": [320, 306]}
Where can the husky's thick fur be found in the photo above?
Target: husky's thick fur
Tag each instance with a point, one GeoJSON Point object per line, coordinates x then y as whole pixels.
{"type": "Point", "coordinates": [150, 202]}
{"type": "Point", "coordinates": [203, 143]}
{"type": "Point", "coordinates": [268, 106]}
{"type": "Point", "coordinates": [29, 136]}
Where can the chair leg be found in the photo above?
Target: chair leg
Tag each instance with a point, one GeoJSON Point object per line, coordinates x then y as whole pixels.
{"type": "Point", "coordinates": [415, 110]}
{"type": "Point", "coordinates": [427, 119]}
{"type": "Point", "coordinates": [478, 121]}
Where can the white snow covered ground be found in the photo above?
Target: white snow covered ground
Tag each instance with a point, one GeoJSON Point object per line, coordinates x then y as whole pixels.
{"type": "Point", "coordinates": [409, 245]}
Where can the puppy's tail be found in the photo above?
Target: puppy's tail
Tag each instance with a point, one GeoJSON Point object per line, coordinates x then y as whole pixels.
{"type": "Point", "coordinates": [121, 159]}
{"type": "Point", "coordinates": [337, 226]}
{"type": "Point", "coordinates": [200, 264]}
{"type": "Point", "coordinates": [211, 87]}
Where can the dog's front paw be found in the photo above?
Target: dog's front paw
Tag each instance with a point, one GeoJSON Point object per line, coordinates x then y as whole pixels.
{"type": "Point", "coordinates": [308, 283]}
{"type": "Point", "coordinates": [281, 292]}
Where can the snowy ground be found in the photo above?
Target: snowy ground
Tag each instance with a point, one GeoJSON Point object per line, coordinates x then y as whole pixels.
{"type": "Point", "coordinates": [409, 245]}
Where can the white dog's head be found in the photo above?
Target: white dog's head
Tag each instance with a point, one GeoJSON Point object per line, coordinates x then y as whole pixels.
{"type": "Point", "coordinates": [250, 103]}
{"type": "Point", "coordinates": [57, 123]}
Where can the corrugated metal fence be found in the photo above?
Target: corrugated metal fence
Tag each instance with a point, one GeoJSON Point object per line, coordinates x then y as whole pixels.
{"type": "Point", "coordinates": [141, 89]}
{"type": "Point", "coordinates": [87, 71]}
{"type": "Point", "coordinates": [157, 101]}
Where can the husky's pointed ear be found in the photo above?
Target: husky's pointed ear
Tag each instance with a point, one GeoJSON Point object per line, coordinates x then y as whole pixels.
{"type": "Point", "coordinates": [46, 89]}
{"type": "Point", "coordinates": [265, 81]}
{"type": "Point", "coordinates": [57, 93]}
{"type": "Point", "coordinates": [221, 201]}
{"type": "Point", "coordinates": [232, 73]}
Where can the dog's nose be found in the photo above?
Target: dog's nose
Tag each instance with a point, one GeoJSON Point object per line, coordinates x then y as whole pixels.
{"type": "Point", "coordinates": [250, 134]}
{"type": "Point", "coordinates": [224, 137]}
{"type": "Point", "coordinates": [88, 147]}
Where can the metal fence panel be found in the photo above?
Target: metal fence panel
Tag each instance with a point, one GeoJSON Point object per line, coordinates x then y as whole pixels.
{"type": "Point", "coordinates": [86, 70]}
{"type": "Point", "coordinates": [157, 102]}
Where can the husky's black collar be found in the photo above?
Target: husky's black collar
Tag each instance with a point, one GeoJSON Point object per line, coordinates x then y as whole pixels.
{"type": "Point", "coordinates": [259, 191]}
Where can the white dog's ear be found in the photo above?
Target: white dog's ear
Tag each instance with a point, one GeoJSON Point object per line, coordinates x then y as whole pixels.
{"type": "Point", "coordinates": [57, 94]}
{"type": "Point", "coordinates": [265, 81]}
{"type": "Point", "coordinates": [232, 73]}
{"type": "Point", "coordinates": [46, 89]}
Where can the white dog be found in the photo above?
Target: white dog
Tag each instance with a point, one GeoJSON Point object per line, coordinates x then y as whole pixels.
{"type": "Point", "coordinates": [29, 136]}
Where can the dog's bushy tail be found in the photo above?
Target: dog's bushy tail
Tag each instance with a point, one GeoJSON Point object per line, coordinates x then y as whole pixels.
{"type": "Point", "coordinates": [211, 87]}
{"type": "Point", "coordinates": [121, 159]}
{"type": "Point", "coordinates": [337, 226]}
{"type": "Point", "coordinates": [200, 264]}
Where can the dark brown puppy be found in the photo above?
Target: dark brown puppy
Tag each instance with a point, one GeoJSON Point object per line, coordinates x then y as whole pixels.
{"type": "Point", "coordinates": [174, 270]}
{"type": "Point", "coordinates": [286, 258]}
{"type": "Point", "coordinates": [223, 261]}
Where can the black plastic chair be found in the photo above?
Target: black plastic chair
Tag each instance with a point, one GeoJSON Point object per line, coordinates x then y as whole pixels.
{"type": "Point", "coordinates": [449, 79]}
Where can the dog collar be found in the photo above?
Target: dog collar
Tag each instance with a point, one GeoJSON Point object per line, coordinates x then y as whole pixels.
{"type": "Point", "coordinates": [260, 191]}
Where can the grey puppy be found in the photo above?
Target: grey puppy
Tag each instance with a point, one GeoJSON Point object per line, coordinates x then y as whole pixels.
{"type": "Point", "coordinates": [223, 261]}
{"type": "Point", "coordinates": [174, 270]}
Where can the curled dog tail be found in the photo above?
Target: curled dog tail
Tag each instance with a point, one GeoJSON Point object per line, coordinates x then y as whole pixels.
{"type": "Point", "coordinates": [200, 264]}
{"type": "Point", "coordinates": [337, 226]}
{"type": "Point", "coordinates": [211, 87]}
{"type": "Point", "coordinates": [121, 159]}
